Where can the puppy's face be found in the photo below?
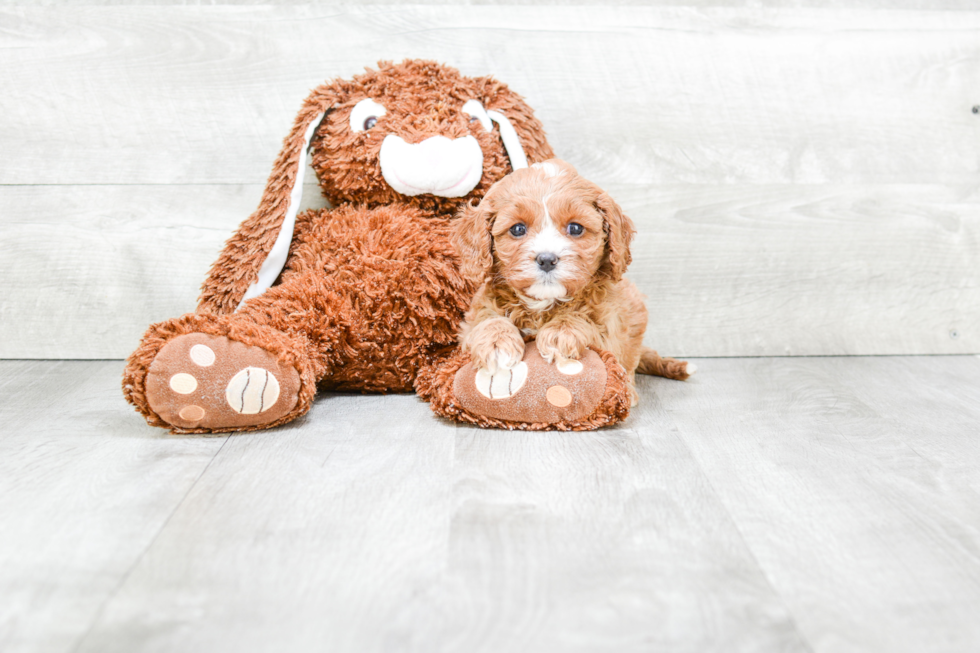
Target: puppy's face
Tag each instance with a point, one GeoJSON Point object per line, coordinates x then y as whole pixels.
{"type": "Point", "coordinates": [547, 231]}
{"type": "Point", "coordinates": [548, 235]}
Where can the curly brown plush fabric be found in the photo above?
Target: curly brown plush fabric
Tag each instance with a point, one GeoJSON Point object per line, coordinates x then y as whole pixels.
{"type": "Point", "coordinates": [370, 297]}
{"type": "Point", "coordinates": [423, 99]}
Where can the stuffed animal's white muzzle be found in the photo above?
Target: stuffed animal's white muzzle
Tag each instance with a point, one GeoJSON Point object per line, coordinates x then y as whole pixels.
{"type": "Point", "coordinates": [437, 166]}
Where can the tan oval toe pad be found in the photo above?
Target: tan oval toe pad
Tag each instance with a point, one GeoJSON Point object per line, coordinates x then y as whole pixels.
{"type": "Point", "coordinates": [558, 395]}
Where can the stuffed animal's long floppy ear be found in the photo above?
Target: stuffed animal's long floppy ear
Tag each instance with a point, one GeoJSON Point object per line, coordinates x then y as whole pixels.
{"type": "Point", "coordinates": [255, 255]}
{"type": "Point", "coordinates": [619, 233]}
{"type": "Point", "coordinates": [517, 123]}
{"type": "Point", "coordinates": [472, 240]}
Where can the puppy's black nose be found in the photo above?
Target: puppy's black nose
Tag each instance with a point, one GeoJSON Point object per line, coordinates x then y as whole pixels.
{"type": "Point", "coordinates": [547, 261]}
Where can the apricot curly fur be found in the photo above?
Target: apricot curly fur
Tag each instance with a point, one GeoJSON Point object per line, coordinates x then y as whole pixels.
{"type": "Point", "coordinates": [597, 307]}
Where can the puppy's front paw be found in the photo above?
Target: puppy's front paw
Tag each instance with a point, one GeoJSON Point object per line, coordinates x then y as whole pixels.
{"type": "Point", "coordinates": [495, 345]}
{"type": "Point", "coordinates": [561, 346]}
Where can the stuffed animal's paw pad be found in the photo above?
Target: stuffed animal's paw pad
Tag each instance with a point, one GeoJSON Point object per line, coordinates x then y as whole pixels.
{"type": "Point", "coordinates": [534, 391]}
{"type": "Point", "coordinates": [251, 391]}
{"type": "Point", "coordinates": [558, 395]}
{"type": "Point", "coordinates": [213, 382]}
{"type": "Point", "coordinates": [570, 367]}
{"type": "Point", "coordinates": [183, 383]}
{"type": "Point", "coordinates": [503, 383]}
{"type": "Point", "coordinates": [202, 355]}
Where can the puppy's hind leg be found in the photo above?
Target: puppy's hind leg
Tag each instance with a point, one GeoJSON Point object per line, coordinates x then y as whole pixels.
{"type": "Point", "coordinates": [651, 363]}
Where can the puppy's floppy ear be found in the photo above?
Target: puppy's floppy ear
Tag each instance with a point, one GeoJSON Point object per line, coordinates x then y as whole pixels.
{"type": "Point", "coordinates": [619, 233]}
{"type": "Point", "coordinates": [255, 255]}
{"type": "Point", "coordinates": [472, 240]}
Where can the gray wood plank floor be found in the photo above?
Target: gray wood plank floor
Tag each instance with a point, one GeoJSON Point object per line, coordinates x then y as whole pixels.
{"type": "Point", "coordinates": [807, 504]}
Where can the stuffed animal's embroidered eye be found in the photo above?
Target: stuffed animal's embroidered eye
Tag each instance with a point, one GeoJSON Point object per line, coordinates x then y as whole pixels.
{"type": "Point", "coordinates": [575, 229]}
{"type": "Point", "coordinates": [476, 111]}
{"type": "Point", "coordinates": [365, 115]}
{"type": "Point", "coordinates": [518, 230]}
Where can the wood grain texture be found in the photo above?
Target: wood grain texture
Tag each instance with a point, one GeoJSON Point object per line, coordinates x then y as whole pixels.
{"type": "Point", "coordinates": [85, 488]}
{"type": "Point", "coordinates": [611, 541]}
{"type": "Point", "coordinates": [88, 268]}
{"type": "Point", "coordinates": [727, 270]}
{"type": "Point", "coordinates": [808, 270]}
{"type": "Point", "coordinates": [853, 481]}
{"type": "Point", "coordinates": [788, 504]}
{"type": "Point", "coordinates": [373, 526]}
{"type": "Point", "coordinates": [140, 95]}
{"type": "Point", "coordinates": [306, 538]}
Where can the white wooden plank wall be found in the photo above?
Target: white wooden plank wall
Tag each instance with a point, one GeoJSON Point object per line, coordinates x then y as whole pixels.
{"type": "Point", "coordinates": [804, 180]}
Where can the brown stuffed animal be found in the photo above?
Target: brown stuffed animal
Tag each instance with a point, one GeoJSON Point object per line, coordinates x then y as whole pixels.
{"type": "Point", "coordinates": [365, 296]}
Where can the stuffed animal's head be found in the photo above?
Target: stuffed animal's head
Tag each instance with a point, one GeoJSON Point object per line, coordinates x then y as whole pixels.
{"type": "Point", "coordinates": [419, 132]}
{"type": "Point", "coordinates": [546, 232]}
{"type": "Point", "coordinates": [416, 132]}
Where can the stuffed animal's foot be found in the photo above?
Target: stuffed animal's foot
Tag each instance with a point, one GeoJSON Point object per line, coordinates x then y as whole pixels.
{"type": "Point", "coordinates": [208, 382]}
{"type": "Point", "coordinates": [535, 395]}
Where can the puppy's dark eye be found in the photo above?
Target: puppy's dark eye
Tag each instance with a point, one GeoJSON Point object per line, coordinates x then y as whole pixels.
{"type": "Point", "coordinates": [575, 229]}
{"type": "Point", "coordinates": [370, 122]}
{"type": "Point", "coordinates": [518, 230]}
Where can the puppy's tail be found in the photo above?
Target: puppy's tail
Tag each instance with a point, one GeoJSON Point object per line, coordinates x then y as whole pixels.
{"type": "Point", "coordinates": [651, 363]}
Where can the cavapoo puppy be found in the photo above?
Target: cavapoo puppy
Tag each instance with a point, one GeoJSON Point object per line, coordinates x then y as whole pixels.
{"type": "Point", "coordinates": [551, 249]}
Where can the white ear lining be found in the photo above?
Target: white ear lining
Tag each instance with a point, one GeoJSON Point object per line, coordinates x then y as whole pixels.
{"type": "Point", "coordinates": [276, 259]}
{"type": "Point", "coordinates": [474, 109]}
{"type": "Point", "coordinates": [512, 143]}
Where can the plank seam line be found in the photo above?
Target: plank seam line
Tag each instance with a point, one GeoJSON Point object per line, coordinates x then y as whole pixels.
{"type": "Point", "coordinates": [139, 558]}
{"type": "Point", "coordinates": [741, 536]}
